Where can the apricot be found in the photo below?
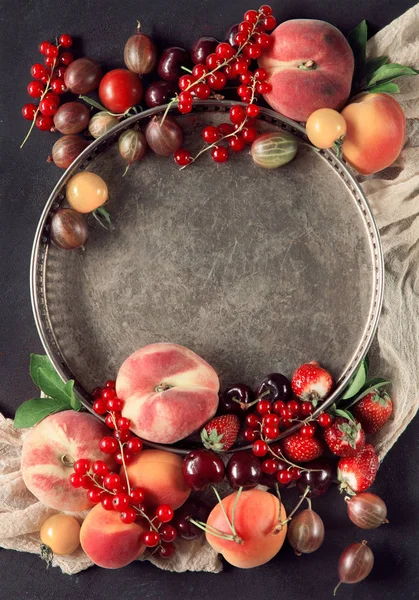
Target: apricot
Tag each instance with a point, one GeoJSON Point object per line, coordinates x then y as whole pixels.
{"type": "Point", "coordinates": [257, 519]}
{"type": "Point", "coordinates": [375, 132]}
{"type": "Point", "coordinates": [160, 475]}
{"type": "Point", "coordinates": [108, 542]}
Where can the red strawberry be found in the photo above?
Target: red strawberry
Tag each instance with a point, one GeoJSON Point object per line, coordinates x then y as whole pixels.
{"type": "Point", "coordinates": [311, 382]}
{"type": "Point", "coordinates": [357, 473]}
{"type": "Point", "coordinates": [373, 410]}
{"type": "Point", "coordinates": [344, 437]}
{"type": "Point", "coordinates": [220, 433]}
{"type": "Point", "coordinates": [302, 449]}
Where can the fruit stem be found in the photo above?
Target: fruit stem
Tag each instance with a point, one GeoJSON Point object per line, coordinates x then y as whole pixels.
{"type": "Point", "coordinates": [309, 65]}
{"type": "Point", "coordinates": [282, 457]}
{"type": "Point", "coordinates": [242, 404]}
{"type": "Point", "coordinates": [336, 588]}
{"type": "Point", "coordinates": [215, 532]}
{"type": "Point", "coordinates": [162, 387]}
{"type": "Point", "coordinates": [121, 448]}
{"type": "Point", "coordinates": [101, 107]}
{"type": "Point", "coordinates": [67, 460]}
{"type": "Point", "coordinates": [280, 525]}
{"type": "Point", "coordinates": [138, 26]}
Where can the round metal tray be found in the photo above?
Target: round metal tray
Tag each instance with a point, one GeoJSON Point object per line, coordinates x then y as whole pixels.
{"type": "Point", "coordinates": [257, 271]}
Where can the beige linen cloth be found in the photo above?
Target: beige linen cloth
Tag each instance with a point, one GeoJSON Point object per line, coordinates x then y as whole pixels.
{"type": "Point", "coordinates": [394, 197]}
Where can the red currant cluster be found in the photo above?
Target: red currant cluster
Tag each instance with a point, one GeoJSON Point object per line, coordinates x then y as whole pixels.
{"type": "Point", "coordinates": [229, 62]}
{"type": "Point", "coordinates": [48, 83]}
{"type": "Point", "coordinates": [113, 490]}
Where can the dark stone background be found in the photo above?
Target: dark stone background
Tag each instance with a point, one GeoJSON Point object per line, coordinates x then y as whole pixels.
{"type": "Point", "coordinates": [100, 29]}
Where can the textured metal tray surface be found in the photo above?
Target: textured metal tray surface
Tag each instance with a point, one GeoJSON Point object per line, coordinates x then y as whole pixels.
{"type": "Point", "coordinates": [255, 270]}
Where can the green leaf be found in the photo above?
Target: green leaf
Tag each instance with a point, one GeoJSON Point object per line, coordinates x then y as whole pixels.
{"type": "Point", "coordinates": [367, 362]}
{"type": "Point", "coordinates": [52, 385]}
{"type": "Point", "coordinates": [357, 39]}
{"type": "Point", "coordinates": [32, 411]}
{"type": "Point", "coordinates": [384, 88]}
{"type": "Point", "coordinates": [371, 385]}
{"type": "Point", "coordinates": [388, 72]}
{"type": "Point", "coordinates": [39, 361]}
{"type": "Point", "coordinates": [345, 414]}
{"type": "Point", "coordinates": [357, 381]}
{"type": "Point", "coordinates": [373, 64]}
{"type": "Point", "coordinates": [69, 390]}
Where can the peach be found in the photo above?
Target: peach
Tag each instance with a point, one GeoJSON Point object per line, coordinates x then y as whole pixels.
{"type": "Point", "coordinates": [257, 519]}
{"type": "Point", "coordinates": [49, 451]}
{"type": "Point", "coordinates": [160, 474]}
{"type": "Point", "coordinates": [375, 132]}
{"type": "Point", "coordinates": [310, 66]}
{"type": "Point", "coordinates": [108, 542]}
{"type": "Point", "coordinates": [168, 390]}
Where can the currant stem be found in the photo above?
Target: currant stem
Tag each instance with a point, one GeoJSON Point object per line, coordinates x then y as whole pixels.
{"type": "Point", "coordinates": [121, 447]}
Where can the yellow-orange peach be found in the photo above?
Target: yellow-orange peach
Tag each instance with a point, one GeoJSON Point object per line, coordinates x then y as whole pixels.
{"type": "Point", "coordinates": [375, 132]}
{"type": "Point", "coordinates": [257, 519]}
{"type": "Point", "coordinates": [108, 542]}
{"type": "Point", "coordinates": [160, 474]}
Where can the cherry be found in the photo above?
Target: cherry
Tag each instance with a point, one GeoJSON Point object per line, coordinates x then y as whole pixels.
{"type": "Point", "coordinates": [76, 480]}
{"type": "Point", "coordinates": [44, 123]}
{"type": "Point", "coordinates": [275, 387]}
{"type": "Point", "coordinates": [151, 539]}
{"type": "Point", "coordinates": [108, 445]}
{"type": "Point", "coordinates": [28, 111]}
{"type": "Point", "coordinates": [66, 58]}
{"type": "Point", "coordinates": [210, 134]}
{"type": "Point", "coordinates": [219, 154]}
{"type": "Point", "coordinates": [100, 468]}
{"type": "Point", "coordinates": [128, 515]}
{"type": "Point", "coordinates": [243, 470]}
{"type": "Point", "coordinates": [81, 466]}
{"type": "Point", "coordinates": [231, 34]}
{"type": "Point", "coordinates": [260, 448]}
{"type": "Point", "coordinates": [164, 513]}
{"type": "Point", "coordinates": [99, 406]}
{"type": "Point", "coordinates": [112, 481]}
{"type": "Point", "coordinates": [38, 71]}
{"type": "Point", "coordinates": [193, 508]}
{"type": "Point", "coordinates": [202, 48]}
{"type": "Point", "coordinates": [120, 501]}
{"type": "Point", "coordinates": [202, 468]}
{"type": "Point", "coordinates": [167, 550]}
{"type": "Point", "coordinates": [318, 479]}
{"type": "Point", "coordinates": [324, 420]}
{"type": "Point", "coordinates": [168, 533]}
{"type": "Point", "coordinates": [65, 40]}
{"type": "Point", "coordinates": [236, 398]}
{"type": "Point", "coordinates": [35, 89]}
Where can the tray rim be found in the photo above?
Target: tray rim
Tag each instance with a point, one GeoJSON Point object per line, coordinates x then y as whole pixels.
{"type": "Point", "coordinates": [40, 246]}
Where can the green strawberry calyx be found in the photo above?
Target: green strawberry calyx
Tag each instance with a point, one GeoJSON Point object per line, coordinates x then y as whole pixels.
{"type": "Point", "coordinates": [212, 440]}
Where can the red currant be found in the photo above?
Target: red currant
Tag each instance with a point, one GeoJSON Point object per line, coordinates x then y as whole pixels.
{"type": "Point", "coordinates": [112, 481]}
{"type": "Point", "coordinates": [123, 423]}
{"type": "Point", "coordinates": [250, 434]}
{"type": "Point", "coordinates": [120, 501]}
{"type": "Point", "coordinates": [284, 477]}
{"type": "Point", "coordinates": [251, 16]}
{"type": "Point", "coordinates": [271, 420]}
{"type": "Point", "coordinates": [245, 26]}
{"type": "Point", "coordinates": [265, 10]}
{"type": "Point", "coordinates": [252, 110]}
{"type": "Point", "coordinates": [49, 106]}
{"type": "Point", "coordinates": [184, 108]}
{"type": "Point", "coordinates": [108, 445]}
{"type": "Point", "coordinates": [295, 473]}
{"type": "Point", "coordinates": [109, 420]}
{"type": "Point", "coordinates": [65, 40]}
{"type": "Point", "coordinates": [263, 407]}
{"type": "Point", "coordinates": [228, 70]}
{"type": "Point", "coordinates": [44, 123]}
{"type": "Point", "coordinates": [151, 539]}
{"type": "Point", "coordinates": [185, 81]}
{"type": "Point", "coordinates": [219, 154]}
{"type": "Point", "coordinates": [271, 432]}
{"type": "Point", "coordinates": [122, 435]}
{"type": "Point", "coordinates": [50, 61]}
{"type": "Point", "coordinates": [108, 393]}
{"type": "Point", "coordinates": [134, 445]}
{"type": "Point", "coordinates": [106, 501]}
{"type": "Point", "coordinates": [307, 431]}
{"type": "Point", "coordinates": [324, 420]}
{"type": "Point", "coordinates": [278, 406]}
{"type": "Point", "coordinates": [225, 129]}
{"type": "Point", "coordinates": [246, 78]}
{"type": "Point", "coordinates": [167, 550]}
{"type": "Point", "coordinates": [43, 46]}
{"type": "Point", "coordinates": [59, 73]}
{"type": "Point", "coordinates": [224, 51]}
{"type": "Point", "coordinates": [95, 495]}
{"type": "Point", "coordinates": [306, 409]}
{"type": "Point", "coordinates": [87, 482]}
{"type": "Point", "coordinates": [294, 407]}
{"type": "Point", "coordinates": [128, 515]}
{"type": "Point", "coordinates": [99, 406]}
{"type": "Point", "coordinates": [286, 414]}
{"type": "Point", "coordinates": [115, 404]}
{"type": "Point", "coordinates": [81, 466]}
{"type": "Point", "coordinates": [168, 533]}
{"type": "Point", "coordinates": [213, 60]}
{"type": "Point", "coordinates": [66, 58]}
{"type": "Point", "coordinates": [270, 466]}
{"type": "Point", "coordinates": [128, 457]}
{"type": "Point", "coordinates": [185, 97]}
{"type": "Point", "coordinates": [263, 40]}
{"type": "Point", "coordinates": [58, 86]}
{"type": "Point", "coordinates": [110, 383]}
{"type": "Point", "coordinates": [28, 111]}
{"type": "Point", "coordinates": [52, 51]}
{"type": "Point", "coordinates": [38, 71]}
{"type": "Point", "coordinates": [164, 513]}
{"type": "Point", "coordinates": [96, 393]}
{"type": "Point", "coordinates": [249, 134]}
{"type": "Point", "coordinates": [202, 91]}
{"type": "Point", "coordinates": [100, 468]}
{"type": "Point", "coordinates": [261, 74]}
{"type": "Point", "coordinates": [199, 71]}
{"type": "Point", "coordinates": [237, 114]}
{"type": "Point", "coordinates": [182, 157]}
{"type": "Point", "coordinates": [76, 480]}
{"type": "Point", "coordinates": [269, 23]}
{"type": "Point", "coordinates": [35, 89]}
{"type": "Point", "coordinates": [252, 51]}
{"type": "Point", "coordinates": [252, 420]}
{"type": "Point", "coordinates": [240, 67]}
{"type": "Point", "coordinates": [240, 38]}
{"type": "Point", "coordinates": [236, 143]}
{"type": "Point", "coordinates": [137, 496]}
{"type": "Point", "coordinates": [260, 448]}
{"type": "Point", "coordinates": [210, 134]}
{"type": "Point", "coordinates": [217, 80]}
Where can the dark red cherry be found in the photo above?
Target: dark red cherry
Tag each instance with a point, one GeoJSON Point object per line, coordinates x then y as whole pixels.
{"type": "Point", "coordinates": [244, 470]}
{"type": "Point", "coordinates": [275, 387]}
{"type": "Point", "coordinates": [203, 47]}
{"type": "Point", "coordinates": [236, 399]}
{"type": "Point", "coordinates": [194, 508]}
{"type": "Point", "coordinates": [318, 478]}
{"type": "Point", "coordinates": [202, 468]}
{"type": "Point", "coordinates": [171, 62]}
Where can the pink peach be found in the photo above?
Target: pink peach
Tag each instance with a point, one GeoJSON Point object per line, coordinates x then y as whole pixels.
{"type": "Point", "coordinates": [49, 451]}
{"type": "Point", "coordinates": [108, 542]}
{"type": "Point", "coordinates": [168, 390]}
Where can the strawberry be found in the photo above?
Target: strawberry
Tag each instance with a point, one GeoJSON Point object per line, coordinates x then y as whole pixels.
{"type": "Point", "coordinates": [220, 433]}
{"type": "Point", "coordinates": [373, 410]}
{"type": "Point", "coordinates": [302, 449]}
{"type": "Point", "coordinates": [344, 437]}
{"type": "Point", "coordinates": [311, 382]}
{"type": "Point", "coordinates": [357, 473]}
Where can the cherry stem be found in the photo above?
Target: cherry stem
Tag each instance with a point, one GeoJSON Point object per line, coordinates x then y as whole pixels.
{"type": "Point", "coordinates": [215, 532]}
{"type": "Point", "coordinates": [337, 587]}
{"type": "Point", "coordinates": [266, 392]}
{"type": "Point", "coordinates": [231, 525]}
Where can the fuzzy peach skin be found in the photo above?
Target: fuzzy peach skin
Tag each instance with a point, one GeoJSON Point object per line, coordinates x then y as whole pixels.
{"type": "Point", "coordinates": [375, 132]}
{"type": "Point", "coordinates": [256, 520]}
{"type": "Point", "coordinates": [51, 447]}
{"type": "Point", "coordinates": [169, 392]}
{"type": "Point", "coordinates": [297, 92]}
{"type": "Point", "coordinates": [160, 475]}
{"type": "Point", "coordinates": [108, 542]}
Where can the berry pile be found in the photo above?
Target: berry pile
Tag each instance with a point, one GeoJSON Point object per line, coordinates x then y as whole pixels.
{"type": "Point", "coordinates": [48, 83]}
{"type": "Point", "coordinates": [114, 490]}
